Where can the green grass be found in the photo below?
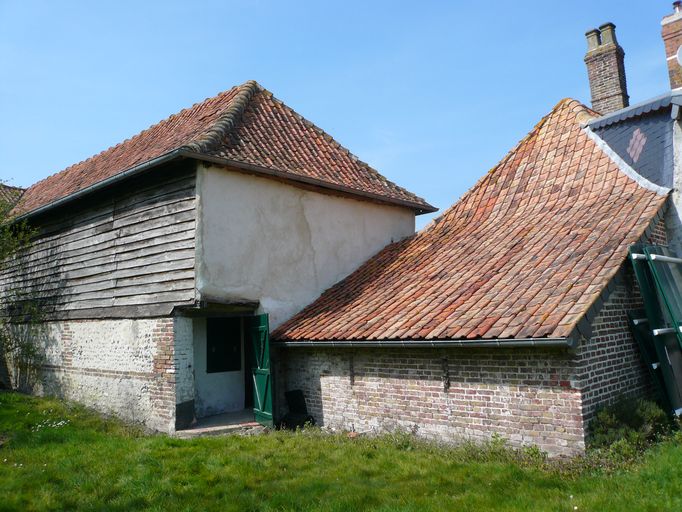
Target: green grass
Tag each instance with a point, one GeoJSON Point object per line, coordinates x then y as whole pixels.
{"type": "Point", "coordinates": [57, 456]}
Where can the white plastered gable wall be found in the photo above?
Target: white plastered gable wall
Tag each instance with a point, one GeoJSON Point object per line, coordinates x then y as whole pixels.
{"type": "Point", "coordinates": [266, 241]}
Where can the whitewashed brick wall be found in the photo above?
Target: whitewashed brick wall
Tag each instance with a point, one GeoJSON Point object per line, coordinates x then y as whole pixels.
{"type": "Point", "coordinates": [120, 367]}
{"type": "Point", "coordinates": [184, 359]}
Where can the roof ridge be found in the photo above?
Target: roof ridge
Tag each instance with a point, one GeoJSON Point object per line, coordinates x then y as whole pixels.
{"type": "Point", "coordinates": [636, 110]}
{"type": "Point", "coordinates": [208, 127]}
{"type": "Point", "coordinates": [329, 138]}
{"type": "Point", "coordinates": [128, 139]}
{"type": "Point", "coordinates": [227, 121]}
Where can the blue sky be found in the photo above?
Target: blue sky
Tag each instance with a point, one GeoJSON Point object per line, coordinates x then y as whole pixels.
{"type": "Point", "coordinates": [430, 93]}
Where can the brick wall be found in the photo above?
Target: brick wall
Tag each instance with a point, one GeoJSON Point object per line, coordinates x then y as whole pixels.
{"type": "Point", "coordinates": [529, 396]}
{"type": "Point", "coordinates": [526, 395]}
{"type": "Point", "coordinates": [609, 363]}
{"type": "Point", "coordinates": [671, 31]}
{"type": "Point", "coordinates": [184, 360]}
{"type": "Point", "coordinates": [162, 386]}
{"type": "Point", "coordinates": [659, 234]}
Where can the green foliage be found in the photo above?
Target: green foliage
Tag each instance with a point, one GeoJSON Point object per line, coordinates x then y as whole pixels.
{"type": "Point", "coordinates": [20, 354]}
{"type": "Point", "coordinates": [620, 435]}
{"type": "Point", "coordinates": [14, 236]}
{"type": "Point", "coordinates": [20, 311]}
{"type": "Point", "coordinates": [634, 422]}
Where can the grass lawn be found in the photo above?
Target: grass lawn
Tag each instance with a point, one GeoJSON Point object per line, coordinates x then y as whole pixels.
{"type": "Point", "coordinates": [57, 456]}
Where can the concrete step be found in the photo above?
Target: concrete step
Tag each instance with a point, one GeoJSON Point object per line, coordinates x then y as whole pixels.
{"type": "Point", "coordinates": [243, 429]}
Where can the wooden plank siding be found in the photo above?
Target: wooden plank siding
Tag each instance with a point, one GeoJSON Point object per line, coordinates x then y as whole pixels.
{"type": "Point", "coordinates": [126, 252]}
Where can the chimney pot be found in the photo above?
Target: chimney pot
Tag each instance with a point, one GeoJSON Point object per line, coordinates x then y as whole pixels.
{"type": "Point", "coordinates": [593, 39]}
{"type": "Point", "coordinates": [608, 33]}
{"type": "Point", "coordinates": [677, 6]}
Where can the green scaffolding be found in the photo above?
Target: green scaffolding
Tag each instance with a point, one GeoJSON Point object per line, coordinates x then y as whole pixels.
{"type": "Point", "coordinates": [658, 327]}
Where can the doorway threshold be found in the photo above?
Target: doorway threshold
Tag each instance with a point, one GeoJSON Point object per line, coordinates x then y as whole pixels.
{"type": "Point", "coordinates": [237, 422]}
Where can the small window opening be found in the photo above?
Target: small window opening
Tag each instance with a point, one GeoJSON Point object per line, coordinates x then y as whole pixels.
{"type": "Point", "coordinates": [223, 345]}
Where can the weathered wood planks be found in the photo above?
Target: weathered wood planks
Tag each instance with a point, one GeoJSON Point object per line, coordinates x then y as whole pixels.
{"type": "Point", "coordinates": [126, 252]}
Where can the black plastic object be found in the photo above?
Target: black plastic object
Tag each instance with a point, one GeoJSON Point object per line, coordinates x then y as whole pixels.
{"type": "Point", "coordinates": [298, 416]}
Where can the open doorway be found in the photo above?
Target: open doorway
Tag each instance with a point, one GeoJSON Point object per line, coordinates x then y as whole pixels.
{"type": "Point", "coordinates": [232, 368]}
{"type": "Point", "coordinates": [220, 366]}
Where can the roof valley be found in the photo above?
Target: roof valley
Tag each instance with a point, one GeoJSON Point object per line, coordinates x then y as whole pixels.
{"type": "Point", "coordinates": [520, 255]}
{"type": "Point", "coordinates": [622, 164]}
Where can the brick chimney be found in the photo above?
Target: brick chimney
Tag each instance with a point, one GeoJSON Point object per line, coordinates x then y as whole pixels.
{"type": "Point", "coordinates": [606, 70]}
{"type": "Point", "coordinates": [671, 31]}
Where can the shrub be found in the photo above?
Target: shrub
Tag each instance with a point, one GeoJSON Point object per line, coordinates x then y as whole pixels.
{"type": "Point", "coordinates": [636, 422]}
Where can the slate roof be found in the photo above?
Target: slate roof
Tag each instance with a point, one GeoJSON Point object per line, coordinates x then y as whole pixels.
{"type": "Point", "coordinates": [644, 107]}
{"type": "Point", "coordinates": [645, 143]}
{"type": "Point", "coordinates": [523, 254]}
{"type": "Point", "coordinates": [245, 125]}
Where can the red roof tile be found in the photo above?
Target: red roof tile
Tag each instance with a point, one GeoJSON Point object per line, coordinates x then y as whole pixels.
{"type": "Point", "coordinates": [523, 254]}
{"type": "Point", "coordinates": [245, 125]}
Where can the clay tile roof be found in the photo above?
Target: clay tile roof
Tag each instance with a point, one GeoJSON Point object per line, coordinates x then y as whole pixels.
{"type": "Point", "coordinates": [523, 254]}
{"type": "Point", "coordinates": [244, 125]}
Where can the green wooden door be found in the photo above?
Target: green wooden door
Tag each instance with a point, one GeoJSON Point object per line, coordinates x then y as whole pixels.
{"type": "Point", "coordinates": [262, 380]}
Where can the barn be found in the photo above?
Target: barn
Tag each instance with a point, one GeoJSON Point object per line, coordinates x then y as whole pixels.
{"type": "Point", "coordinates": [160, 262]}
{"type": "Point", "coordinates": [234, 252]}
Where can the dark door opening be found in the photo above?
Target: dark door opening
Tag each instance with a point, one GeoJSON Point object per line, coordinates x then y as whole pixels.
{"type": "Point", "coordinates": [219, 366]}
{"type": "Point", "coordinates": [223, 345]}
